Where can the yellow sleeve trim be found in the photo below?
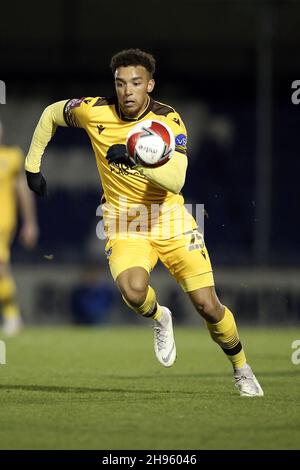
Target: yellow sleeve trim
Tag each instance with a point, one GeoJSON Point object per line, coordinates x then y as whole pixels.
{"type": "Point", "coordinates": [44, 131]}
{"type": "Point", "coordinates": [170, 176]}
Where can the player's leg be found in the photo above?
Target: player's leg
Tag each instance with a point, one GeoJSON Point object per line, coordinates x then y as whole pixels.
{"type": "Point", "coordinates": [133, 284]}
{"type": "Point", "coordinates": [140, 297]}
{"type": "Point", "coordinates": [188, 261]}
{"type": "Point", "coordinates": [12, 322]}
{"type": "Point", "coordinates": [131, 262]}
{"type": "Point", "coordinates": [220, 323]}
{"type": "Point", "coordinates": [223, 330]}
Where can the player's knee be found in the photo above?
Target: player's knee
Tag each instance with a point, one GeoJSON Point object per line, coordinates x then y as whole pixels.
{"type": "Point", "coordinates": [209, 306]}
{"type": "Point", "coordinates": [134, 291]}
{"type": "Point", "coordinates": [135, 296]}
{"type": "Point", "coordinates": [134, 286]}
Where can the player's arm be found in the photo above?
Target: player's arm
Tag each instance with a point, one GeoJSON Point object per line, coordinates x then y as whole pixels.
{"type": "Point", "coordinates": [29, 230]}
{"type": "Point", "coordinates": [170, 176]}
{"type": "Point", "coordinates": [52, 117]}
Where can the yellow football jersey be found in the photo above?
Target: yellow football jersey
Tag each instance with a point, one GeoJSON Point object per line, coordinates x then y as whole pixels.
{"type": "Point", "coordinates": [11, 162]}
{"type": "Point", "coordinates": [125, 187]}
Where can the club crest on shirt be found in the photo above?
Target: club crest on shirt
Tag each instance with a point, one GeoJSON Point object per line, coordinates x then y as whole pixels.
{"type": "Point", "coordinates": [73, 103]}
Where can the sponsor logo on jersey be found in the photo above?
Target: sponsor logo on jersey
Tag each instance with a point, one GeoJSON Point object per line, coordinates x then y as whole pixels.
{"type": "Point", "coordinates": [181, 140]}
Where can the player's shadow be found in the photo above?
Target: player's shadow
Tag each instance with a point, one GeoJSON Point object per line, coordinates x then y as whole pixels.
{"type": "Point", "coordinates": [67, 389]}
{"type": "Point", "coordinates": [57, 389]}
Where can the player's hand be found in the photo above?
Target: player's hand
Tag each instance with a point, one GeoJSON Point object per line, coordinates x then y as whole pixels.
{"type": "Point", "coordinates": [29, 235]}
{"type": "Point", "coordinates": [37, 183]}
{"type": "Point", "coordinates": [117, 154]}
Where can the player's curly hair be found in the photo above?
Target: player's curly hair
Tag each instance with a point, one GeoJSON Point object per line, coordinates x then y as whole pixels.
{"type": "Point", "coordinates": [133, 57]}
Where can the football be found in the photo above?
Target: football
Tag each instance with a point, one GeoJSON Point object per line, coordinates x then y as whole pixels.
{"type": "Point", "coordinates": [150, 143]}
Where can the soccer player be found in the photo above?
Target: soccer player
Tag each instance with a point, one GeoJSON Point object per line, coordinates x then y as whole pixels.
{"type": "Point", "coordinates": [13, 193]}
{"type": "Point", "coordinates": [128, 187]}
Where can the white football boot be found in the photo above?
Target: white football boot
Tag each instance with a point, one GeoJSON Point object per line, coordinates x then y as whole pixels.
{"type": "Point", "coordinates": [12, 326]}
{"type": "Point", "coordinates": [164, 344]}
{"type": "Point", "coordinates": [247, 383]}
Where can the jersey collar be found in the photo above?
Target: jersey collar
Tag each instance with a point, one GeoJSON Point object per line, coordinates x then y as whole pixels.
{"type": "Point", "coordinates": [138, 118]}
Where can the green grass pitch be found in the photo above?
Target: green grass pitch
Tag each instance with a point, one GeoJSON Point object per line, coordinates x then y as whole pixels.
{"type": "Point", "coordinates": [102, 388]}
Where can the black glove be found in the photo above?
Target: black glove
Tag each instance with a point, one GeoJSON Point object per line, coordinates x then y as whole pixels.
{"type": "Point", "coordinates": [37, 183]}
{"type": "Point", "coordinates": [117, 154]}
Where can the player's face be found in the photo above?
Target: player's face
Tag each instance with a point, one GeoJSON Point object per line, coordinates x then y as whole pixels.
{"type": "Point", "coordinates": [133, 83]}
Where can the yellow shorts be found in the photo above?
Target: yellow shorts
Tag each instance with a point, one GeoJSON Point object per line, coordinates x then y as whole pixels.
{"type": "Point", "coordinates": [186, 258]}
{"type": "Point", "coordinates": [5, 242]}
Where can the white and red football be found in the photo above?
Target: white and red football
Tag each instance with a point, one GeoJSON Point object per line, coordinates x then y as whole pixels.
{"type": "Point", "coordinates": [150, 143]}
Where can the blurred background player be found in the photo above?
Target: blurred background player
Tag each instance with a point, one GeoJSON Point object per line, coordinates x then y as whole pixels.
{"type": "Point", "coordinates": [14, 194]}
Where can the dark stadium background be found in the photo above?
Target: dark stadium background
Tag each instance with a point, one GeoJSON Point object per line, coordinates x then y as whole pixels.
{"type": "Point", "coordinates": [228, 68]}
